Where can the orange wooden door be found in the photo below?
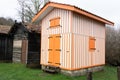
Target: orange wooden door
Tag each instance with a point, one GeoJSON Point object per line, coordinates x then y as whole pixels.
{"type": "Point", "coordinates": [54, 50]}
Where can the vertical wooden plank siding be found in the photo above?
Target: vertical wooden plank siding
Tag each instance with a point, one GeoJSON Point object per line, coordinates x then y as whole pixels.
{"type": "Point", "coordinates": [65, 40]}
{"type": "Point", "coordinates": [24, 51]}
{"type": "Point", "coordinates": [83, 28]}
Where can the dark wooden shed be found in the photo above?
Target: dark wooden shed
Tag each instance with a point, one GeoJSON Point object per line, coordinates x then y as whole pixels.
{"type": "Point", "coordinates": [28, 37]}
{"type": "Point", "coordinates": [30, 46]}
{"type": "Point", "coordinates": [33, 59]}
{"type": "Point", "coordinates": [6, 44]}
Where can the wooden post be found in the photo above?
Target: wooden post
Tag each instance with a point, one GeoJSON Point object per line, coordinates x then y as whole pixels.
{"type": "Point", "coordinates": [89, 76]}
{"type": "Point", "coordinates": [118, 72]}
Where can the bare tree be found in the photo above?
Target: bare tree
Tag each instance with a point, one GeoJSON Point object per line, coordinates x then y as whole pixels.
{"type": "Point", "coordinates": [21, 11]}
{"type": "Point", "coordinates": [28, 8]}
{"type": "Point", "coordinates": [31, 8]}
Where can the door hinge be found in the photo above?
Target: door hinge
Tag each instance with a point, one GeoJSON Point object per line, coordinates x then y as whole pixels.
{"type": "Point", "coordinates": [49, 37]}
{"type": "Point", "coordinates": [49, 62]}
{"type": "Point", "coordinates": [58, 63]}
{"type": "Point", "coordinates": [58, 49]}
{"type": "Point", "coordinates": [49, 49]}
{"type": "Point", "coordinates": [58, 36]}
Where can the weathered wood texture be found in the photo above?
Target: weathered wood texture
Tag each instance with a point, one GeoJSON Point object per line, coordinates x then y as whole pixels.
{"type": "Point", "coordinates": [19, 32]}
{"type": "Point", "coordinates": [17, 50]}
{"type": "Point", "coordinates": [24, 51]}
{"type": "Point", "coordinates": [6, 48]}
{"type": "Point", "coordinates": [27, 48]}
{"type": "Point", "coordinates": [33, 58]}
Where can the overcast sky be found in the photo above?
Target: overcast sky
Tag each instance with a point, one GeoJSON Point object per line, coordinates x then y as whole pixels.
{"type": "Point", "coordinates": [8, 8]}
{"type": "Point", "coordinates": [109, 9]}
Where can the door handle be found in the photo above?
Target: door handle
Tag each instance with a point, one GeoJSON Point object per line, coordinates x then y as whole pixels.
{"type": "Point", "coordinates": [58, 63]}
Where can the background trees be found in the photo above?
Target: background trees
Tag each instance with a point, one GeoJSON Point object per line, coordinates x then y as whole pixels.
{"type": "Point", "coordinates": [112, 46]}
{"type": "Point", "coordinates": [28, 8]}
{"type": "Point", "coordinates": [6, 21]}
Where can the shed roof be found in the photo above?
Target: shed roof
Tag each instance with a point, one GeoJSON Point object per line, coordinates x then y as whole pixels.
{"type": "Point", "coordinates": [4, 29]}
{"type": "Point", "coordinates": [34, 28]}
{"type": "Point", "coordinates": [50, 5]}
{"type": "Point", "coordinates": [10, 29]}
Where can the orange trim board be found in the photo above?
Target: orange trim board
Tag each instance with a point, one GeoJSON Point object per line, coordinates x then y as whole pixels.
{"type": "Point", "coordinates": [39, 13]}
{"type": "Point", "coordinates": [71, 8]}
{"type": "Point", "coordinates": [73, 69]}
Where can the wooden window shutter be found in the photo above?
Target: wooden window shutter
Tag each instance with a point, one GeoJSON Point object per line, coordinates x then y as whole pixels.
{"type": "Point", "coordinates": [52, 23]}
{"type": "Point", "coordinates": [55, 22]}
{"type": "Point", "coordinates": [92, 44]}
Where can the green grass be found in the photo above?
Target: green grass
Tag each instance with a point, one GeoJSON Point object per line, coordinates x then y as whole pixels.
{"type": "Point", "coordinates": [10, 71]}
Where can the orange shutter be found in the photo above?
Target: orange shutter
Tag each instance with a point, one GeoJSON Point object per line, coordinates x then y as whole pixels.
{"type": "Point", "coordinates": [55, 22]}
{"type": "Point", "coordinates": [92, 43]}
{"type": "Point", "coordinates": [52, 23]}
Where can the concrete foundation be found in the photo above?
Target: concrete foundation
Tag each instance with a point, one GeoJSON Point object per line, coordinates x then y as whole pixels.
{"type": "Point", "coordinates": [82, 71]}
{"type": "Point", "coordinates": [79, 72]}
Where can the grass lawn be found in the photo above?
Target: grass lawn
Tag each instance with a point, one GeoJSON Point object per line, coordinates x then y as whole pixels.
{"type": "Point", "coordinates": [10, 71]}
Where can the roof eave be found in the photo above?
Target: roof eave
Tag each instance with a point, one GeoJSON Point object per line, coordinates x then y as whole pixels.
{"type": "Point", "coordinates": [71, 8]}
{"type": "Point", "coordinates": [93, 16]}
{"type": "Point", "coordinates": [52, 4]}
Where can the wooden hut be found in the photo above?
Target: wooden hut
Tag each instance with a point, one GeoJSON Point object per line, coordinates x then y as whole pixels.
{"type": "Point", "coordinates": [20, 43]}
{"type": "Point", "coordinates": [26, 44]}
{"type": "Point", "coordinates": [72, 39]}
{"type": "Point", "coordinates": [6, 44]}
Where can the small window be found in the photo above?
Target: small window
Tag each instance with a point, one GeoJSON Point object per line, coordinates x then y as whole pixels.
{"type": "Point", "coordinates": [55, 22]}
{"type": "Point", "coordinates": [92, 44]}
